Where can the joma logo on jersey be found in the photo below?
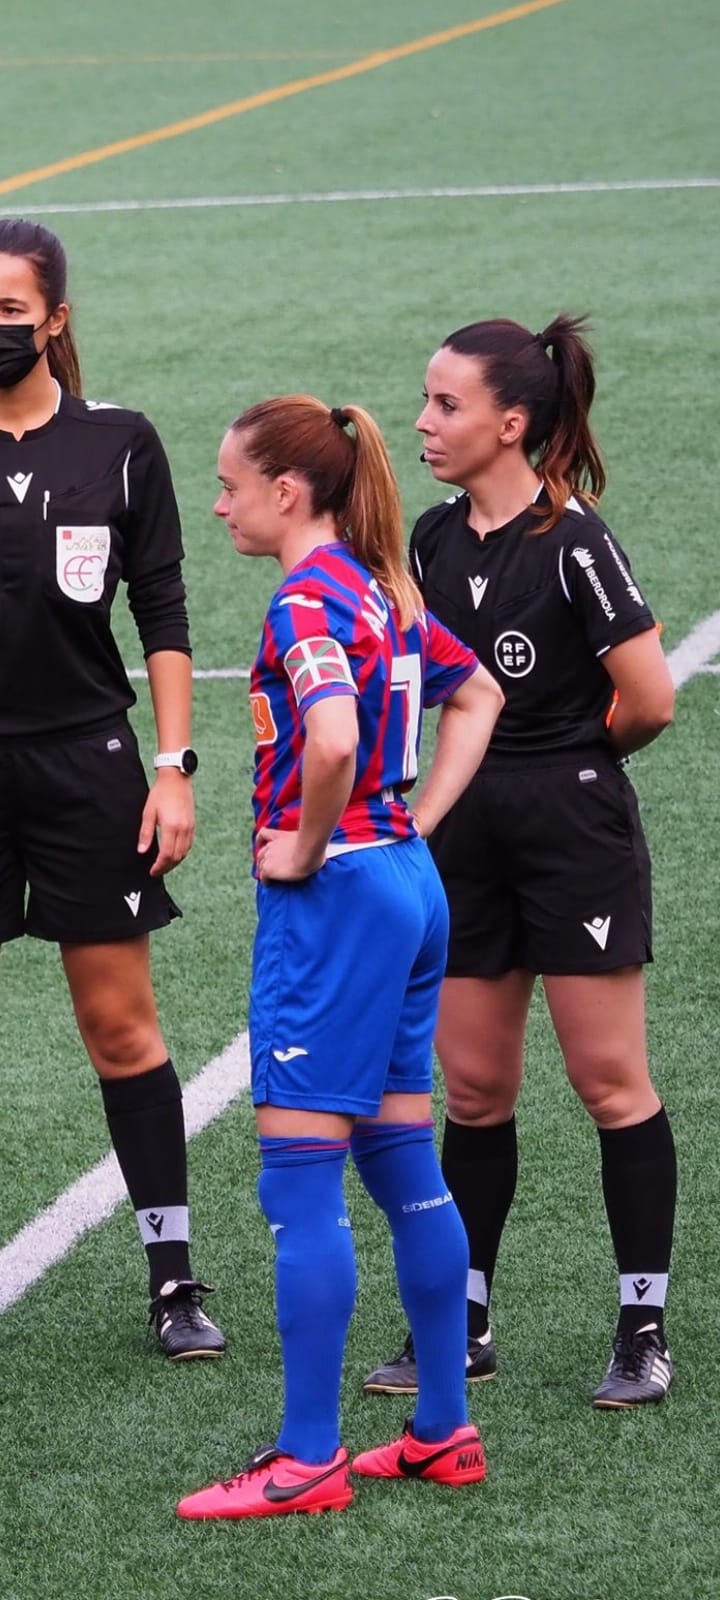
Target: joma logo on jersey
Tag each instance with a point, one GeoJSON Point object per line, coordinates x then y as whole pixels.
{"type": "Point", "coordinates": [301, 600]}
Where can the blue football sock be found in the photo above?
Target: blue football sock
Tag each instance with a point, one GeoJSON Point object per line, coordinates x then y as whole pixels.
{"type": "Point", "coordinates": [401, 1172]}
{"type": "Point", "coordinates": [301, 1194]}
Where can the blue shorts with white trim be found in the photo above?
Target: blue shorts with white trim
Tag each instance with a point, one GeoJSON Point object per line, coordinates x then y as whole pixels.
{"type": "Point", "coordinates": [347, 968]}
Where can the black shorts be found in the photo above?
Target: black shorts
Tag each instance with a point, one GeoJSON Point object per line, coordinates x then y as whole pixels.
{"type": "Point", "coordinates": [69, 822]}
{"type": "Point", "coordinates": [547, 869]}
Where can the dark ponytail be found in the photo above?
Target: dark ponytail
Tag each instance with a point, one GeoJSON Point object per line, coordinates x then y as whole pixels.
{"type": "Point", "coordinates": [44, 251]}
{"type": "Point", "coordinates": [551, 375]}
{"type": "Point", "coordinates": [568, 457]}
{"type": "Point", "coordinates": [63, 361]}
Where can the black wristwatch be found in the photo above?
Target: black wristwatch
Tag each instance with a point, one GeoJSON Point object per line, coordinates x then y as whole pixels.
{"type": "Point", "coordinates": [186, 760]}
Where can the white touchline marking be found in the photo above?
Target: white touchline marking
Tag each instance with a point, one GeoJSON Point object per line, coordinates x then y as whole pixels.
{"type": "Point", "coordinates": [479, 191]}
{"type": "Point", "coordinates": [695, 652]}
{"type": "Point", "coordinates": [201, 673]}
{"type": "Point", "coordinates": [94, 1196]}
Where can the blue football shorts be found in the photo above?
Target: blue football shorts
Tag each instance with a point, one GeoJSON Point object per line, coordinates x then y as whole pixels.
{"type": "Point", "coordinates": [347, 967]}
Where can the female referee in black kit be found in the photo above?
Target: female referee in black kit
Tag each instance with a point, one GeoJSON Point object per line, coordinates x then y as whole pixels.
{"type": "Point", "coordinates": [86, 499]}
{"type": "Point", "coordinates": [543, 858]}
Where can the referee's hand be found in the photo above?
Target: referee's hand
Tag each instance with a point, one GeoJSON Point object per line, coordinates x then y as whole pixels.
{"type": "Point", "coordinates": [169, 810]}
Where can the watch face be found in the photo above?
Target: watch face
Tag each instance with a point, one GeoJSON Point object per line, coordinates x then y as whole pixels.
{"type": "Point", "coordinates": [189, 762]}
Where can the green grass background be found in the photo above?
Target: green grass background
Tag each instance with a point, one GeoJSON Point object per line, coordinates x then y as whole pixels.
{"type": "Point", "coordinates": [191, 315]}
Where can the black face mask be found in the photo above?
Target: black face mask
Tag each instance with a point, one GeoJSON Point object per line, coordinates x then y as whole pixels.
{"type": "Point", "coordinates": [18, 355]}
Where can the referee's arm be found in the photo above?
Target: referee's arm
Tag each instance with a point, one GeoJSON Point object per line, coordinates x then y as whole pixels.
{"type": "Point", "coordinates": [156, 595]}
{"type": "Point", "coordinates": [646, 696]}
{"type": "Point", "coordinates": [169, 807]}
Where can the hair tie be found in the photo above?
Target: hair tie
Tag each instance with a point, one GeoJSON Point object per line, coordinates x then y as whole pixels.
{"type": "Point", "coordinates": [543, 341]}
{"type": "Point", "coordinates": [339, 417]}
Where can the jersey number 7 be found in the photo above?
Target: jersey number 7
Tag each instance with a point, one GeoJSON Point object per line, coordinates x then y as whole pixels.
{"type": "Point", "coordinates": [406, 679]}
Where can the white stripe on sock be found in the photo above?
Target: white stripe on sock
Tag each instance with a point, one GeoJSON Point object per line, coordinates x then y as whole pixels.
{"type": "Point", "coordinates": [643, 1288]}
{"type": "Point", "coordinates": [160, 1224]}
{"type": "Point", "coordinates": [477, 1287]}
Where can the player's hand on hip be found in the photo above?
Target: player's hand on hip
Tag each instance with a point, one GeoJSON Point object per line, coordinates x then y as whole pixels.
{"type": "Point", "coordinates": [169, 810]}
{"type": "Point", "coordinates": [278, 857]}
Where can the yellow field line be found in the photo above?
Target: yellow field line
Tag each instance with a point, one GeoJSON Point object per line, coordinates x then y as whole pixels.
{"type": "Point", "coordinates": [267, 97]}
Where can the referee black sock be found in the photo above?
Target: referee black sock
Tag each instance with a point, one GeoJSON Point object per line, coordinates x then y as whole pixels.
{"type": "Point", "coordinates": [145, 1118]}
{"type": "Point", "coordinates": [480, 1168]}
{"type": "Point", "coordinates": [639, 1185]}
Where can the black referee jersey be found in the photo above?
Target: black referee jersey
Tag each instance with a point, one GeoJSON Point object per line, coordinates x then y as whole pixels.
{"type": "Point", "coordinates": [540, 611]}
{"type": "Point", "coordinates": [85, 500]}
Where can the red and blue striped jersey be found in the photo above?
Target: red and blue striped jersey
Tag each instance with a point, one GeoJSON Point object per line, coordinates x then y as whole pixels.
{"type": "Point", "coordinates": [330, 630]}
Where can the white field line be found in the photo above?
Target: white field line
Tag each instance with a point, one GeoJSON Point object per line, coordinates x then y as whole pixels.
{"type": "Point", "coordinates": [692, 655]}
{"type": "Point", "coordinates": [202, 674]}
{"type": "Point", "coordinates": [94, 1196]}
{"type": "Point", "coordinates": [480, 191]}
{"type": "Point", "coordinates": [695, 652]}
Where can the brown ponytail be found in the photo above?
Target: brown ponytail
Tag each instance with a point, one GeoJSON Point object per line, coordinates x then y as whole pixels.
{"type": "Point", "coordinates": [349, 476]}
{"type": "Point", "coordinates": [64, 363]}
{"type": "Point", "coordinates": [556, 389]}
{"type": "Point", "coordinates": [374, 517]}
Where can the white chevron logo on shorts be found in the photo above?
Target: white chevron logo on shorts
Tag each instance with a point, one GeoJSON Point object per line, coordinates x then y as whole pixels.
{"type": "Point", "coordinates": [477, 589]}
{"type": "Point", "coordinates": [599, 930]}
{"type": "Point", "coordinates": [133, 901]}
{"type": "Point", "coordinates": [289, 1055]}
{"type": "Point", "coordinates": [20, 484]}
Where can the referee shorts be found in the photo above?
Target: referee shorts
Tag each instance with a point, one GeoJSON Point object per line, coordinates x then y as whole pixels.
{"type": "Point", "coordinates": [69, 821]}
{"type": "Point", "coordinates": [546, 869]}
{"type": "Point", "coordinates": [347, 968]}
